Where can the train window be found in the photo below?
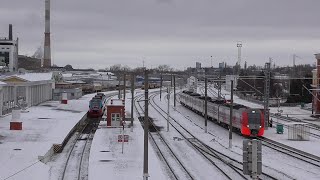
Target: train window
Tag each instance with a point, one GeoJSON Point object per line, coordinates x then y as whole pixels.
{"type": "Point", "coordinates": [254, 117]}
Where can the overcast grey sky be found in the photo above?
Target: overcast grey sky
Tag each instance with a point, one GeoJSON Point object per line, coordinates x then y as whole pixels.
{"type": "Point", "coordinates": [99, 33]}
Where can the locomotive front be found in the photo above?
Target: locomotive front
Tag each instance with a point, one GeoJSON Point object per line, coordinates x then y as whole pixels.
{"type": "Point", "coordinates": [253, 122]}
{"type": "Point", "coordinates": [95, 108]}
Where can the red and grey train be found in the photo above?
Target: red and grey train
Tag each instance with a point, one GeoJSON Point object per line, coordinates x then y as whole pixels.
{"type": "Point", "coordinates": [97, 105]}
{"type": "Point", "coordinates": [249, 121]}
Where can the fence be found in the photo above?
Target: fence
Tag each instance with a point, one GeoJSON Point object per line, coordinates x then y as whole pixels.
{"type": "Point", "coordinates": [298, 132]}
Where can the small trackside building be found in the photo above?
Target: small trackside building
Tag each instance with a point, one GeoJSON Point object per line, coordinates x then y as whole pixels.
{"type": "Point", "coordinates": [115, 113]}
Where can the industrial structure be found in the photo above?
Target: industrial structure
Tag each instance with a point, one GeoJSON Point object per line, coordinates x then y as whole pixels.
{"type": "Point", "coordinates": [9, 52]}
{"type": "Point", "coordinates": [47, 47]}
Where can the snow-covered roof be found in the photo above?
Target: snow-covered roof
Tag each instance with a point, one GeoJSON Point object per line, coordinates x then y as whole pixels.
{"type": "Point", "coordinates": [35, 76]}
{"type": "Point", "coordinates": [67, 75]}
{"type": "Point", "coordinates": [76, 82]}
{"type": "Point", "coordinates": [106, 73]}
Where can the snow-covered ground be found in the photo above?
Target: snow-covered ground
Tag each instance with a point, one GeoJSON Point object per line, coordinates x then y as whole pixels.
{"type": "Point", "coordinates": [50, 122]}
{"type": "Point", "coordinates": [44, 125]}
{"type": "Point", "coordinates": [271, 158]}
{"type": "Point", "coordinates": [107, 160]}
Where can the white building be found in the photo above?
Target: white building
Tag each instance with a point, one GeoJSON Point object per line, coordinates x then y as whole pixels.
{"type": "Point", "coordinates": [25, 89]}
{"type": "Point", "coordinates": [9, 52]}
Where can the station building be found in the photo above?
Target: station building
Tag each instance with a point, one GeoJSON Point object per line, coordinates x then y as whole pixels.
{"type": "Point", "coordinates": [24, 90]}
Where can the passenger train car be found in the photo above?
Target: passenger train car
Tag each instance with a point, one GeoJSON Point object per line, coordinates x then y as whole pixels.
{"type": "Point", "coordinates": [249, 121]}
{"type": "Point", "coordinates": [97, 105]}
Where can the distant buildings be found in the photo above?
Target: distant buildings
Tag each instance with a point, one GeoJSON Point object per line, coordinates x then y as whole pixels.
{"type": "Point", "coordinates": [9, 52]}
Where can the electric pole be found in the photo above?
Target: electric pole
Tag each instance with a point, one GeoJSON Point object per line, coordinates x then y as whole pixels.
{"type": "Point", "coordinates": [119, 89]}
{"type": "Point", "coordinates": [124, 88]}
{"type": "Point", "coordinates": [239, 45]}
{"type": "Point", "coordinates": [146, 126]}
{"type": "Point", "coordinates": [219, 85]}
{"type": "Point", "coordinates": [168, 112]}
{"type": "Point", "coordinates": [266, 95]}
{"type": "Point", "coordinates": [231, 116]}
{"type": "Point", "coordinates": [174, 90]}
{"type": "Point", "coordinates": [205, 104]}
{"type": "Point", "coordinates": [160, 86]}
{"type": "Point", "coordinates": [132, 99]}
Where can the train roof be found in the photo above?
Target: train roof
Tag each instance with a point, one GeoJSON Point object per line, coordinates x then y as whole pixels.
{"type": "Point", "coordinates": [235, 106]}
{"type": "Point", "coordinates": [217, 101]}
{"type": "Point", "coordinates": [203, 97]}
{"type": "Point", "coordinates": [97, 98]}
{"type": "Point", "coordinates": [194, 94]}
{"type": "Point", "coordinates": [100, 94]}
{"type": "Point", "coordinates": [187, 92]}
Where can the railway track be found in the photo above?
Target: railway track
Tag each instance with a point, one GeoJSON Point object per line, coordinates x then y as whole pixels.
{"type": "Point", "coordinates": [76, 166]}
{"type": "Point", "coordinates": [237, 164]}
{"type": "Point", "coordinates": [314, 127]}
{"type": "Point", "coordinates": [222, 163]}
{"type": "Point", "coordinates": [167, 154]}
{"type": "Point", "coordinates": [290, 151]}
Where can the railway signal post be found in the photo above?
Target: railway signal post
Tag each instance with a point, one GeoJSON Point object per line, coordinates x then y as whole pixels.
{"type": "Point", "coordinates": [146, 126]}
{"type": "Point", "coordinates": [231, 116]}
{"type": "Point", "coordinates": [252, 158]}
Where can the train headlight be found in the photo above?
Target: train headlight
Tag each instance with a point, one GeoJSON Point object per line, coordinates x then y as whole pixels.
{"type": "Point", "coordinates": [248, 125]}
{"type": "Point", "coordinates": [260, 126]}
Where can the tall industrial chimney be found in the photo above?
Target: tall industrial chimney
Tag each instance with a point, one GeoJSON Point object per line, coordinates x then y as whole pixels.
{"type": "Point", "coordinates": [10, 32]}
{"type": "Point", "coordinates": [47, 48]}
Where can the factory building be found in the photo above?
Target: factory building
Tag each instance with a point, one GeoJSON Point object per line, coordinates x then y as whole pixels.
{"type": "Point", "coordinates": [9, 52]}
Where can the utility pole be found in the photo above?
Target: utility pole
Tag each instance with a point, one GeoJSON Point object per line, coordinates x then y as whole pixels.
{"type": "Point", "coordinates": [171, 80]}
{"type": "Point", "coordinates": [168, 112]}
{"type": "Point", "coordinates": [205, 104]}
{"type": "Point", "coordinates": [231, 116]}
{"type": "Point", "coordinates": [266, 95]}
{"type": "Point", "coordinates": [124, 88]}
{"type": "Point", "coordinates": [146, 126]}
{"type": "Point", "coordinates": [119, 89]}
{"type": "Point", "coordinates": [160, 86]}
{"type": "Point", "coordinates": [219, 85]}
{"type": "Point", "coordinates": [132, 99]}
{"type": "Point", "coordinates": [211, 61]}
{"type": "Point", "coordinates": [174, 90]}
{"type": "Point", "coordinates": [239, 45]}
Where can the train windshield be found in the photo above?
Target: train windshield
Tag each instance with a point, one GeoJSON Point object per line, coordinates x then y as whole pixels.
{"type": "Point", "coordinates": [254, 116]}
{"type": "Point", "coordinates": [95, 103]}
